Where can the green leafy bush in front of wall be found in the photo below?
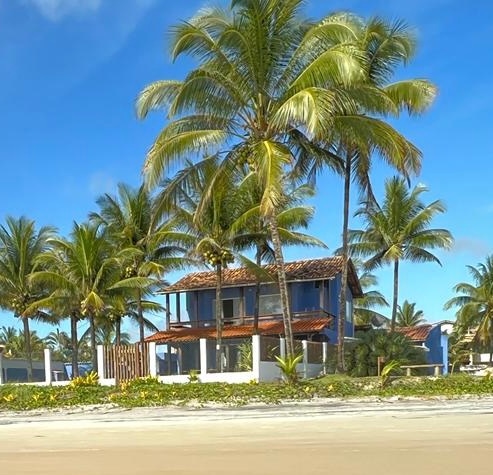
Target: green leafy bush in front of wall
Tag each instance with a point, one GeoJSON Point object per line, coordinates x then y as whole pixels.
{"type": "Point", "coordinates": [148, 392]}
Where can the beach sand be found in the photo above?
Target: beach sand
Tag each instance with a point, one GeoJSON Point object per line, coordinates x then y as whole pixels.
{"type": "Point", "coordinates": [294, 441]}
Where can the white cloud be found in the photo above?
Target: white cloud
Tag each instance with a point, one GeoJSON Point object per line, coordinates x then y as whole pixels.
{"type": "Point", "coordinates": [55, 10]}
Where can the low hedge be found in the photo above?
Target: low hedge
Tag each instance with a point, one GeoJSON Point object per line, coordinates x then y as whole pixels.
{"type": "Point", "coordinates": [149, 392]}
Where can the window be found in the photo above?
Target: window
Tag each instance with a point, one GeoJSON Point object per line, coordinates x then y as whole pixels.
{"type": "Point", "coordinates": [349, 311]}
{"type": "Point", "coordinates": [270, 304]}
{"type": "Point", "coordinates": [231, 308]}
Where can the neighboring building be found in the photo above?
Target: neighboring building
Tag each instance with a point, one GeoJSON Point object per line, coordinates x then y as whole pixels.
{"type": "Point", "coordinates": [313, 287]}
{"type": "Point", "coordinates": [479, 354]}
{"type": "Point", "coordinates": [434, 340]}
{"type": "Point", "coordinates": [14, 370]}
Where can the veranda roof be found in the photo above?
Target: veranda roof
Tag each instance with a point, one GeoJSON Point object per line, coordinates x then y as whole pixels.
{"type": "Point", "coordinates": [184, 334]}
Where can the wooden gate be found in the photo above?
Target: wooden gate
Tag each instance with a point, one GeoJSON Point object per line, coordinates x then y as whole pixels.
{"type": "Point", "coordinates": [126, 362]}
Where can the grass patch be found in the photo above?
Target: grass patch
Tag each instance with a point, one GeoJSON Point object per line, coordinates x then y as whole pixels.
{"type": "Point", "coordinates": [149, 392]}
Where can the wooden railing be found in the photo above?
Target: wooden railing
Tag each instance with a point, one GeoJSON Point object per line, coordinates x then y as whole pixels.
{"type": "Point", "coordinates": [248, 320]}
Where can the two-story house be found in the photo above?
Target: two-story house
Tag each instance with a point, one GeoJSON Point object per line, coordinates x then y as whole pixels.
{"type": "Point", "coordinates": [313, 287]}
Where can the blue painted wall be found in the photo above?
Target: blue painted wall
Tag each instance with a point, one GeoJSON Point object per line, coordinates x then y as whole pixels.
{"type": "Point", "coordinates": [305, 297]}
{"type": "Point", "coordinates": [438, 345]}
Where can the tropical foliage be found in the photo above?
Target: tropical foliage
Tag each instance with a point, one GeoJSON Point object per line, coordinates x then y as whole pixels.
{"type": "Point", "coordinates": [408, 316]}
{"type": "Point", "coordinates": [365, 306]}
{"type": "Point", "coordinates": [399, 230]}
{"type": "Point", "coordinates": [20, 247]}
{"type": "Point", "coordinates": [363, 358]}
{"type": "Point", "coordinates": [475, 304]}
{"type": "Point", "coordinates": [271, 89]}
{"type": "Point", "coordinates": [271, 101]}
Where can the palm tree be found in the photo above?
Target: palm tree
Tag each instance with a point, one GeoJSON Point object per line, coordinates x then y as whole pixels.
{"type": "Point", "coordinates": [120, 305]}
{"type": "Point", "coordinates": [399, 230]}
{"type": "Point", "coordinates": [269, 87]}
{"type": "Point", "coordinates": [385, 48]}
{"type": "Point", "coordinates": [64, 298]}
{"type": "Point", "coordinates": [131, 224]}
{"type": "Point", "coordinates": [20, 247]}
{"type": "Point", "coordinates": [60, 344]}
{"type": "Point", "coordinates": [14, 342]}
{"type": "Point", "coordinates": [210, 226]}
{"type": "Point", "coordinates": [250, 229]}
{"type": "Point", "coordinates": [475, 302]}
{"type": "Point", "coordinates": [408, 316]}
{"type": "Point", "coordinates": [106, 334]}
{"type": "Point", "coordinates": [81, 271]}
{"type": "Point", "coordinates": [364, 307]}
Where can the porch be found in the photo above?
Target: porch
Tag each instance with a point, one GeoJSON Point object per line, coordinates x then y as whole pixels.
{"type": "Point", "coordinates": [243, 360]}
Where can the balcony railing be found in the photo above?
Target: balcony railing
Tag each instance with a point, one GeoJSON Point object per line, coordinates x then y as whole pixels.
{"type": "Point", "coordinates": [248, 320]}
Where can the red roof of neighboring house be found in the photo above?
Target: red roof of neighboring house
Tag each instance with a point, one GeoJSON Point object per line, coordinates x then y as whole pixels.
{"type": "Point", "coordinates": [183, 335]}
{"type": "Point", "coordinates": [418, 333]}
{"type": "Point", "coordinates": [311, 269]}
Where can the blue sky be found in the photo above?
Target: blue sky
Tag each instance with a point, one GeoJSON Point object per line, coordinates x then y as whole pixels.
{"type": "Point", "coordinates": [70, 71]}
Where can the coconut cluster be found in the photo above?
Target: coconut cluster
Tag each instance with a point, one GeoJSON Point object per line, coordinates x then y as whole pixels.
{"type": "Point", "coordinates": [218, 257]}
{"type": "Point", "coordinates": [130, 271]}
{"type": "Point", "coordinates": [247, 158]}
{"type": "Point", "coordinates": [19, 305]}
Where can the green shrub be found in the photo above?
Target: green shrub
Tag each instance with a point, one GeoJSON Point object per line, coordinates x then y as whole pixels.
{"type": "Point", "coordinates": [89, 380]}
{"type": "Point", "coordinates": [145, 392]}
{"type": "Point", "coordinates": [288, 365]}
{"type": "Point", "coordinates": [361, 360]}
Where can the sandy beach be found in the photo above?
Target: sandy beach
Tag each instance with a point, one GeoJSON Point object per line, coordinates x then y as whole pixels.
{"type": "Point", "coordinates": [402, 437]}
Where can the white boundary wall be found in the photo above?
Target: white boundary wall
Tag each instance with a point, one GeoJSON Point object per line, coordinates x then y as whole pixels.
{"type": "Point", "coordinates": [262, 371]}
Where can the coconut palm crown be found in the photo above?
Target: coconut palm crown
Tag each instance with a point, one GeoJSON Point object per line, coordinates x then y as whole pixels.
{"type": "Point", "coordinates": [399, 230]}
{"type": "Point", "coordinates": [269, 87]}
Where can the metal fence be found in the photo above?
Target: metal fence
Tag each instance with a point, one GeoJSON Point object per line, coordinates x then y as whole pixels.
{"type": "Point", "coordinates": [270, 347]}
{"type": "Point", "coordinates": [236, 355]}
{"type": "Point", "coordinates": [314, 352]}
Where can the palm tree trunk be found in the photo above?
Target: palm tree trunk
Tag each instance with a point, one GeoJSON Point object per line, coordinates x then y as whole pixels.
{"type": "Point", "coordinates": [396, 295]}
{"type": "Point", "coordinates": [140, 317]}
{"type": "Point", "coordinates": [256, 308]}
{"type": "Point", "coordinates": [118, 331]}
{"type": "Point", "coordinates": [283, 285]}
{"type": "Point", "coordinates": [75, 345]}
{"type": "Point", "coordinates": [219, 319]}
{"type": "Point", "coordinates": [27, 343]}
{"type": "Point", "coordinates": [94, 355]}
{"type": "Point", "coordinates": [341, 320]}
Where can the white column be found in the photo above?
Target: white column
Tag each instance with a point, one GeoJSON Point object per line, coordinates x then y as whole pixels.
{"type": "Point", "coordinates": [100, 354]}
{"type": "Point", "coordinates": [304, 344]}
{"type": "Point", "coordinates": [325, 347]}
{"type": "Point", "coordinates": [256, 357]}
{"type": "Point", "coordinates": [444, 341]}
{"type": "Point", "coordinates": [48, 376]}
{"type": "Point", "coordinates": [152, 359]}
{"type": "Point", "coordinates": [1, 365]}
{"type": "Point", "coordinates": [282, 348]}
{"type": "Point", "coordinates": [203, 356]}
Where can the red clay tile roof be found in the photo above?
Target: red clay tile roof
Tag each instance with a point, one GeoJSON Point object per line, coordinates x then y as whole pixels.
{"type": "Point", "coordinates": [419, 333]}
{"type": "Point", "coordinates": [184, 335]}
{"type": "Point", "coordinates": [312, 269]}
